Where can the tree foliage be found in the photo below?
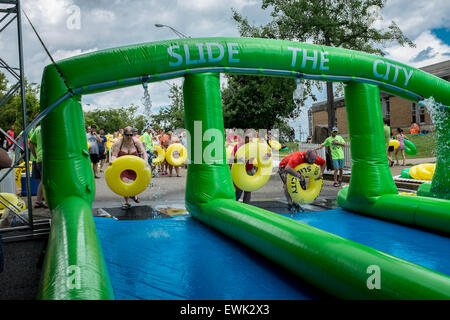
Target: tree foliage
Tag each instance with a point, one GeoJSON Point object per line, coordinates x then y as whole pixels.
{"type": "Point", "coordinates": [11, 111]}
{"type": "Point", "coordinates": [172, 116]}
{"type": "Point", "coordinates": [257, 102]}
{"type": "Point", "coordinates": [114, 119]}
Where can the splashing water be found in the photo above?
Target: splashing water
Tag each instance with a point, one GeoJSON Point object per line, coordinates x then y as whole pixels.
{"type": "Point", "coordinates": [440, 115]}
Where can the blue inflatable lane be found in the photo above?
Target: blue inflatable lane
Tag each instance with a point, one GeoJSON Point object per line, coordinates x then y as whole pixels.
{"type": "Point", "coordinates": [181, 258]}
{"type": "Point", "coordinates": [427, 249]}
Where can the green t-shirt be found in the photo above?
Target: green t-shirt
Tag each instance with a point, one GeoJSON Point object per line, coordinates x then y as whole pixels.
{"type": "Point", "coordinates": [36, 138]}
{"type": "Point", "coordinates": [32, 158]}
{"type": "Point", "coordinates": [147, 139]}
{"type": "Point", "coordinates": [387, 134]}
{"type": "Point", "coordinates": [337, 151]}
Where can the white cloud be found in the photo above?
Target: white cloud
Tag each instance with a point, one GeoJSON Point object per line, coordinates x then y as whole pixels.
{"type": "Point", "coordinates": [426, 42]}
{"type": "Point", "coordinates": [63, 54]}
{"type": "Point", "coordinates": [413, 17]}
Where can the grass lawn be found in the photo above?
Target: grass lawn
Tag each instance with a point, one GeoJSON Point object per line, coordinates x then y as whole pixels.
{"type": "Point", "coordinates": [293, 146]}
{"type": "Point", "coordinates": [425, 144]}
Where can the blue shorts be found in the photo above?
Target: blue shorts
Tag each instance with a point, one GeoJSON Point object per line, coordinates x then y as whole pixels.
{"type": "Point", "coordinates": [338, 163]}
{"type": "Point", "coordinates": [150, 157]}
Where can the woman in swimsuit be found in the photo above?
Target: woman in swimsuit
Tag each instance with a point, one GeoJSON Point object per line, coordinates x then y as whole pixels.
{"type": "Point", "coordinates": [128, 145]}
{"type": "Point", "coordinates": [401, 138]}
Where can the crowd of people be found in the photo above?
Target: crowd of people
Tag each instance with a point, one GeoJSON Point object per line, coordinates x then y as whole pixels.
{"type": "Point", "coordinates": [104, 148]}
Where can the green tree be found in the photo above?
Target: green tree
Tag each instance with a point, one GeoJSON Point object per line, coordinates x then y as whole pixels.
{"type": "Point", "coordinates": [11, 110]}
{"type": "Point", "coordinates": [172, 116]}
{"type": "Point", "coordinates": [337, 23]}
{"type": "Point", "coordinates": [114, 119]}
{"type": "Point", "coordinates": [257, 102]}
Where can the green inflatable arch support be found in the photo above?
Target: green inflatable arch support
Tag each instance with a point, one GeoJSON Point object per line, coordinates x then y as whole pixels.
{"type": "Point", "coordinates": [74, 266]}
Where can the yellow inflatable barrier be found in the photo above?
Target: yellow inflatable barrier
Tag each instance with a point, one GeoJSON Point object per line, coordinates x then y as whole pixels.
{"type": "Point", "coordinates": [257, 152]}
{"type": "Point", "coordinates": [15, 200]}
{"type": "Point", "coordinates": [161, 155]}
{"type": "Point", "coordinates": [394, 143]}
{"type": "Point", "coordinates": [138, 165]}
{"type": "Point", "coordinates": [298, 195]}
{"type": "Point", "coordinates": [275, 144]}
{"type": "Point", "coordinates": [408, 193]}
{"type": "Point", "coordinates": [423, 171]}
{"type": "Point", "coordinates": [170, 152]}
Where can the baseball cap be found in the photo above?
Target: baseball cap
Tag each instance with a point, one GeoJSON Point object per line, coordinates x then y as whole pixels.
{"type": "Point", "coordinates": [334, 129]}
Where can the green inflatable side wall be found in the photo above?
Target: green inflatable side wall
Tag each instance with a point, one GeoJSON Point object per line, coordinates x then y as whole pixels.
{"type": "Point", "coordinates": [334, 264]}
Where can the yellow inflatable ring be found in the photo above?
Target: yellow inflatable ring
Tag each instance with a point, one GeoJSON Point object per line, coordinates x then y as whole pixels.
{"type": "Point", "coordinates": [298, 195]}
{"type": "Point", "coordinates": [423, 171]}
{"type": "Point", "coordinates": [182, 151]}
{"type": "Point", "coordinates": [258, 152]}
{"type": "Point", "coordinates": [129, 162]}
{"type": "Point", "coordinates": [15, 200]}
{"type": "Point", "coordinates": [275, 144]}
{"type": "Point", "coordinates": [161, 155]}
{"type": "Point", "coordinates": [394, 143]}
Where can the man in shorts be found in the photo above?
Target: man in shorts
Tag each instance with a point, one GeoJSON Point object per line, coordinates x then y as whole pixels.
{"type": "Point", "coordinates": [336, 144]}
{"type": "Point", "coordinates": [102, 148]}
{"type": "Point", "coordinates": [94, 139]}
{"type": "Point", "coordinates": [287, 166]}
{"type": "Point", "coordinates": [147, 140]}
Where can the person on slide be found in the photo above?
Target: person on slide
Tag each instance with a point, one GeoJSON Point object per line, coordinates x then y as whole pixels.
{"type": "Point", "coordinates": [128, 145]}
{"type": "Point", "coordinates": [288, 164]}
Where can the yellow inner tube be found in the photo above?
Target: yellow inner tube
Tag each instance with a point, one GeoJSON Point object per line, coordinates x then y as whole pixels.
{"type": "Point", "coordinates": [257, 152]}
{"type": "Point", "coordinates": [171, 159]}
{"type": "Point", "coordinates": [298, 195]}
{"type": "Point", "coordinates": [394, 143]}
{"type": "Point", "coordinates": [423, 171]}
{"type": "Point", "coordinates": [138, 165]}
{"type": "Point", "coordinates": [275, 144]}
{"type": "Point", "coordinates": [161, 155]}
{"type": "Point", "coordinates": [15, 200]}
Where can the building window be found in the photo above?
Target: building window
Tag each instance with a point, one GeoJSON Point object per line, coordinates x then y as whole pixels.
{"type": "Point", "coordinates": [386, 110]}
{"type": "Point", "coordinates": [414, 112]}
{"type": "Point", "coordinates": [422, 114]}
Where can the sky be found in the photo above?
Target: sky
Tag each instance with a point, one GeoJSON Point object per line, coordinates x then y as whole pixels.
{"type": "Point", "coordinates": [71, 27]}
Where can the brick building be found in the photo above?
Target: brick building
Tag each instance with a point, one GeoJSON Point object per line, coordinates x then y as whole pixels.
{"type": "Point", "coordinates": [399, 111]}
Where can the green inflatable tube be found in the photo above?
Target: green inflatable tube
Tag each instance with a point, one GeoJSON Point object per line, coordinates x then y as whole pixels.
{"type": "Point", "coordinates": [69, 185]}
{"type": "Point", "coordinates": [405, 174]}
{"type": "Point", "coordinates": [410, 148]}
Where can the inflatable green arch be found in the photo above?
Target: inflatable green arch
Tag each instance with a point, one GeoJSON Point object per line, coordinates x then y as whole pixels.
{"type": "Point", "coordinates": [329, 262]}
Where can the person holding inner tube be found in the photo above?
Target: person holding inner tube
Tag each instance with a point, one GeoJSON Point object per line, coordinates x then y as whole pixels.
{"type": "Point", "coordinates": [250, 168]}
{"type": "Point", "coordinates": [287, 166]}
{"type": "Point", "coordinates": [128, 145]}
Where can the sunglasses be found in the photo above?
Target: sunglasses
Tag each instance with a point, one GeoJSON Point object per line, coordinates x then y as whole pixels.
{"type": "Point", "coordinates": [128, 134]}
